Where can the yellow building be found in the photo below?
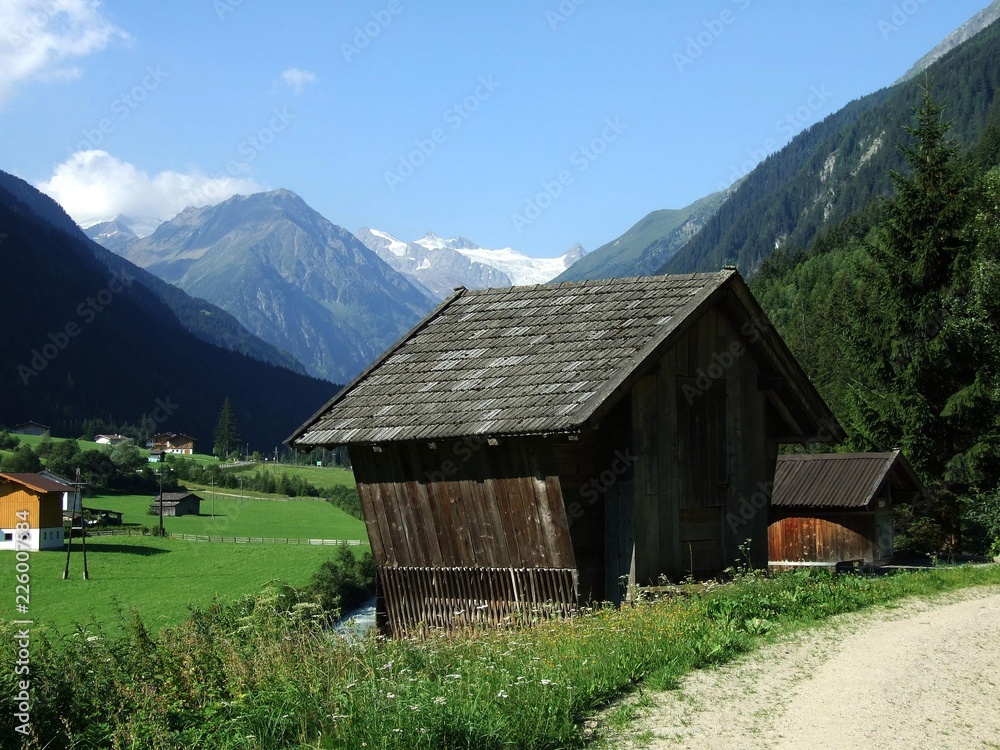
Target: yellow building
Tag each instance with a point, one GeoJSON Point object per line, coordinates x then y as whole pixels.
{"type": "Point", "coordinates": [36, 501]}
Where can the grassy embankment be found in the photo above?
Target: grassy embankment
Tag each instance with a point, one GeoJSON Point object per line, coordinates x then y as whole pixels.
{"type": "Point", "coordinates": [255, 675]}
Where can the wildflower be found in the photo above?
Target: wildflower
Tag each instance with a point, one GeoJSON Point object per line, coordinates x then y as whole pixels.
{"type": "Point", "coordinates": [390, 695]}
{"type": "Point", "coordinates": [386, 666]}
{"type": "Point", "coordinates": [502, 694]}
{"type": "Point", "coordinates": [414, 708]}
{"type": "Point", "coordinates": [440, 700]}
{"type": "Point", "coordinates": [454, 676]}
{"type": "Point", "coordinates": [546, 682]}
{"type": "Point", "coordinates": [397, 730]}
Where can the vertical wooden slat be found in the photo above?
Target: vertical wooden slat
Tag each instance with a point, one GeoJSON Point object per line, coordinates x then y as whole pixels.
{"type": "Point", "coordinates": [645, 418]}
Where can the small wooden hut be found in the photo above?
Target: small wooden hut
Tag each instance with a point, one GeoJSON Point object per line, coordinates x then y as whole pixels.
{"type": "Point", "coordinates": [837, 507]}
{"type": "Point", "coordinates": [557, 443]}
{"type": "Point", "coordinates": [176, 504]}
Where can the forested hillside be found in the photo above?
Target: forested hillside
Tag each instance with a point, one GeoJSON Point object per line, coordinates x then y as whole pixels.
{"type": "Point", "coordinates": [832, 170]}
{"type": "Point", "coordinates": [894, 315]}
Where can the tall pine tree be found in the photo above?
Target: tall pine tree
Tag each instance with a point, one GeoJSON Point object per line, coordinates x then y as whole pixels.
{"type": "Point", "coordinates": [227, 433]}
{"type": "Point", "coordinates": [907, 335]}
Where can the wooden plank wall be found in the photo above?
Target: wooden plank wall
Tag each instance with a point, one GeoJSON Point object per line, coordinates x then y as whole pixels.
{"type": "Point", "coordinates": [464, 504]}
{"type": "Point", "coordinates": [44, 511]}
{"type": "Point", "coordinates": [705, 459]}
{"type": "Point", "coordinates": [457, 510]}
{"type": "Point", "coordinates": [823, 537]}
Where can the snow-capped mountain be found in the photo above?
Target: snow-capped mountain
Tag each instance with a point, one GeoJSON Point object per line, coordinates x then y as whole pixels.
{"type": "Point", "coordinates": [441, 264]}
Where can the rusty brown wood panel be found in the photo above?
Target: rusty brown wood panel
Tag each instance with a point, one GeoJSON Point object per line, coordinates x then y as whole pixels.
{"type": "Point", "coordinates": [407, 505]}
{"type": "Point", "coordinates": [431, 519]}
{"type": "Point", "coordinates": [828, 538]}
{"type": "Point", "coordinates": [460, 529]}
{"type": "Point", "coordinates": [531, 542]}
{"type": "Point", "coordinates": [390, 506]}
{"type": "Point", "coordinates": [371, 506]}
{"type": "Point", "coordinates": [497, 508]}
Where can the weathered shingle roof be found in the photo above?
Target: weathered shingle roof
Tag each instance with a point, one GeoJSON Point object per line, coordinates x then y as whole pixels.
{"type": "Point", "coordinates": [838, 480]}
{"type": "Point", "coordinates": [534, 360]}
{"type": "Point", "coordinates": [520, 360]}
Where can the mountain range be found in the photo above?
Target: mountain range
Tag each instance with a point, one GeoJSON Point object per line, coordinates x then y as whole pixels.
{"type": "Point", "coordinates": [440, 265]}
{"type": "Point", "coordinates": [290, 276]}
{"type": "Point", "coordinates": [97, 337]}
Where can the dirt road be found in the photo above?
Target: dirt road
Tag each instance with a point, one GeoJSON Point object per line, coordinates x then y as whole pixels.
{"type": "Point", "coordinates": [923, 675]}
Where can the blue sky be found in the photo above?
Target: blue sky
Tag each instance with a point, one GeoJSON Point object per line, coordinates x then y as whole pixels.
{"type": "Point", "coordinates": [534, 125]}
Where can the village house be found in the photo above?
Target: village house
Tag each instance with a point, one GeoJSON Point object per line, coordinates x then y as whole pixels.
{"type": "Point", "coordinates": [71, 502]}
{"type": "Point", "coordinates": [34, 500]}
{"type": "Point", "coordinates": [555, 444]}
{"type": "Point", "coordinates": [172, 442]}
{"type": "Point", "coordinates": [31, 428]}
{"type": "Point", "coordinates": [110, 439]}
{"type": "Point", "coordinates": [831, 508]}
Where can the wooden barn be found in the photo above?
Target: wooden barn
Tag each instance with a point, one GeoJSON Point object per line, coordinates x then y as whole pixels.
{"type": "Point", "coordinates": [557, 443]}
{"type": "Point", "coordinates": [36, 501]}
{"type": "Point", "coordinates": [176, 504]}
{"type": "Point", "coordinates": [837, 507]}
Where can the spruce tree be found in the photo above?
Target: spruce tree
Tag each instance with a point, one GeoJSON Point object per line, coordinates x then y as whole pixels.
{"type": "Point", "coordinates": [906, 337]}
{"type": "Point", "coordinates": [227, 433]}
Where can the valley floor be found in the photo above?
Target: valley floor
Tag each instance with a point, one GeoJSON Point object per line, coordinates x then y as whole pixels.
{"type": "Point", "coordinates": [925, 674]}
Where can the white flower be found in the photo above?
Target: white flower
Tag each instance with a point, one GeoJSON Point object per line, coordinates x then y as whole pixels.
{"type": "Point", "coordinates": [440, 700]}
{"type": "Point", "coordinates": [546, 682]}
{"type": "Point", "coordinates": [454, 676]}
{"type": "Point", "coordinates": [502, 694]}
{"type": "Point", "coordinates": [390, 695]}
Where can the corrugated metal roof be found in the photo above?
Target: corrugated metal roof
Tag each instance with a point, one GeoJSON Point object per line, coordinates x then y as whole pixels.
{"type": "Point", "coordinates": [837, 480]}
{"type": "Point", "coordinates": [520, 360]}
{"type": "Point", "coordinates": [37, 482]}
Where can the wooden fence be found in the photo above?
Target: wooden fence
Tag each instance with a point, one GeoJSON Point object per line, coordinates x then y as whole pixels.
{"type": "Point", "coordinates": [228, 539]}
{"type": "Point", "coordinates": [419, 598]}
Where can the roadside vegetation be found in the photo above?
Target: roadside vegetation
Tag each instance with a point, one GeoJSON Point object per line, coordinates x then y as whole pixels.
{"type": "Point", "coordinates": [264, 671]}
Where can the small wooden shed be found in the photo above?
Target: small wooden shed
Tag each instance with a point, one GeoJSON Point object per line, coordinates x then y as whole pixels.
{"type": "Point", "coordinates": [836, 507]}
{"type": "Point", "coordinates": [556, 443]}
{"type": "Point", "coordinates": [34, 500]}
{"type": "Point", "coordinates": [176, 504]}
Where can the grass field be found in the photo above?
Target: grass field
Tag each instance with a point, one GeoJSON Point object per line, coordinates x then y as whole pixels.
{"type": "Point", "coordinates": [322, 477]}
{"type": "Point", "coordinates": [157, 577]}
{"type": "Point", "coordinates": [297, 519]}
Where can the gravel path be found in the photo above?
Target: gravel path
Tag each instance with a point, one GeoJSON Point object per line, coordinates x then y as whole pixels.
{"type": "Point", "coordinates": [922, 675]}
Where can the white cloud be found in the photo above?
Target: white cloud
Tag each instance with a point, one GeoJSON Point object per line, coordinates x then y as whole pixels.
{"type": "Point", "coordinates": [38, 38]}
{"type": "Point", "coordinates": [298, 79]}
{"type": "Point", "coordinates": [95, 186]}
